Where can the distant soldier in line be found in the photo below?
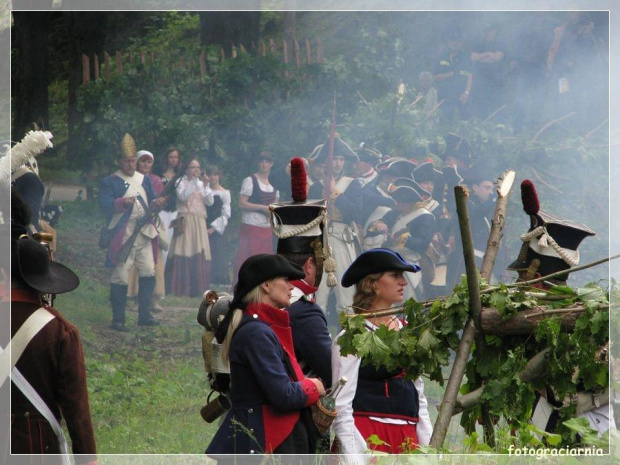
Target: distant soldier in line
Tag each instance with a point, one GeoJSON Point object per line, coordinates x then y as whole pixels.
{"type": "Point", "coordinates": [481, 208]}
{"type": "Point", "coordinates": [432, 181]}
{"type": "Point", "coordinates": [411, 228]}
{"type": "Point", "coordinates": [344, 206]}
{"type": "Point", "coordinates": [373, 233]}
{"type": "Point", "coordinates": [367, 176]}
{"type": "Point", "coordinates": [305, 218]}
{"type": "Point", "coordinates": [125, 197]}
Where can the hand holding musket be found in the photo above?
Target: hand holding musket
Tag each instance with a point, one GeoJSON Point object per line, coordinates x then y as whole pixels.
{"type": "Point", "coordinates": [156, 205]}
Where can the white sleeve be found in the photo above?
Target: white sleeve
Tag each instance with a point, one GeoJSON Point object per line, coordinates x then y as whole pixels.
{"type": "Point", "coordinates": [185, 188]}
{"type": "Point", "coordinates": [226, 204]}
{"type": "Point", "coordinates": [220, 223]}
{"type": "Point", "coordinates": [247, 187]}
{"type": "Point", "coordinates": [424, 428]}
{"type": "Point", "coordinates": [350, 439]}
{"type": "Point", "coordinates": [207, 194]}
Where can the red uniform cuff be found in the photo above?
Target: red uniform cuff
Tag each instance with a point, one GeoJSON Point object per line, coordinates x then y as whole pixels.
{"type": "Point", "coordinates": [119, 204]}
{"type": "Point", "coordinates": [311, 391]}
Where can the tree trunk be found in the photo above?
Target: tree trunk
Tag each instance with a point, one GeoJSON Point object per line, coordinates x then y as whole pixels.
{"type": "Point", "coordinates": [524, 322]}
{"type": "Point", "coordinates": [30, 71]}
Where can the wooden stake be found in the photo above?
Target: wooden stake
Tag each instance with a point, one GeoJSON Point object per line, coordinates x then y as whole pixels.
{"type": "Point", "coordinates": [203, 65]}
{"type": "Point", "coordinates": [297, 54]}
{"type": "Point", "coordinates": [319, 51]}
{"type": "Point", "coordinates": [106, 61]}
{"type": "Point", "coordinates": [119, 62]}
{"type": "Point", "coordinates": [308, 52]}
{"type": "Point", "coordinates": [85, 69]}
{"type": "Point", "coordinates": [284, 51]}
{"type": "Point", "coordinates": [499, 221]}
{"type": "Point", "coordinates": [96, 65]}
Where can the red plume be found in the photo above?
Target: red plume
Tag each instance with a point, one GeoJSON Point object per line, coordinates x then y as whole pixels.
{"type": "Point", "coordinates": [529, 198]}
{"type": "Point", "coordinates": [298, 180]}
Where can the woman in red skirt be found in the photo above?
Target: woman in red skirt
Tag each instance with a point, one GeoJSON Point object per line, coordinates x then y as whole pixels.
{"type": "Point", "coordinates": [377, 401]}
{"type": "Point", "coordinates": [256, 195]}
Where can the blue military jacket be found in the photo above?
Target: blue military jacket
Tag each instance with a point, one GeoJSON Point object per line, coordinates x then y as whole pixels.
{"type": "Point", "coordinates": [266, 401]}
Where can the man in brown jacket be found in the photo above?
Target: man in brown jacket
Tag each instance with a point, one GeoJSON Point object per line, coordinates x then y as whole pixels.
{"type": "Point", "coordinates": [49, 379]}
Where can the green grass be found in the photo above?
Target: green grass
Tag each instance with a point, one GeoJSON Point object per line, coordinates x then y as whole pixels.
{"type": "Point", "coordinates": [146, 386]}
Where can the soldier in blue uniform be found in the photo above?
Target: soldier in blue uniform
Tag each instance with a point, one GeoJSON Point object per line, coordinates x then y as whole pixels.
{"type": "Point", "coordinates": [306, 218]}
{"type": "Point", "coordinates": [124, 197]}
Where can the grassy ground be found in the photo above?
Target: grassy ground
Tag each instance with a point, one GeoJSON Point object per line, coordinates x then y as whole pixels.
{"type": "Point", "coordinates": [147, 385]}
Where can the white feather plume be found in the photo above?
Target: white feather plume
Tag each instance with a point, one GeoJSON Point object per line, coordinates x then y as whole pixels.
{"type": "Point", "coordinates": [33, 144]}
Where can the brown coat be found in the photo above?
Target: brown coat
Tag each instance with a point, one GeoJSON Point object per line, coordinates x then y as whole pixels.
{"type": "Point", "coordinates": [53, 363]}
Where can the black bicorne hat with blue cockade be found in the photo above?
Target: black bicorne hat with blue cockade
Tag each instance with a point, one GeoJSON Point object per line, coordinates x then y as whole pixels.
{"type": "Point", "coordinates": [376, 261]}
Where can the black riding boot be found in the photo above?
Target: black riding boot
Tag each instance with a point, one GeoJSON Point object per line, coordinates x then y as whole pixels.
{"type": "Point", "coordinates": [118, 299]}
{"type": "Point", "coordinates": [146, 286]}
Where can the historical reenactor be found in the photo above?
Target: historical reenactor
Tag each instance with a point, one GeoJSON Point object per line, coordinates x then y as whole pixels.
{"type": "Point", "coordinates": [369, 179]}
{"type": "Point", "coordinates": [268, 389]}
{"type": "Point", "coordinates": [376, 401]}
{"type": "Point", "coordinates": [45, 357]}
{"type": "Point", "coordinates": [25, 171]}
{"type": "Point", "coordinates": [410, 230]}
{"type": "Point", "coordinates": [481, 208]}
{"type": "Point", "coordinates": [373, 233]}
{"type": "Point", "coordinates": [551, 245]}
{"type": "Point", "coordinates": [344, 206]}
{"type": "Point", "coordinates": [300, 227]}
{"type": "Point", "coordinates": [127, 198]}
{"type": "Point", "coordinates": [432, 181]}
{"type": "Point", "coordinates": [458, 152]}
{"type": "Point", "coordinates": [255, 196]}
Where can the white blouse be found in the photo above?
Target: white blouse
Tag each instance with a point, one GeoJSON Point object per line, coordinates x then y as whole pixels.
{"type": "Point", "coordinates": [220, 223]}
{"type": "Point", "coordinates": [351, 440]}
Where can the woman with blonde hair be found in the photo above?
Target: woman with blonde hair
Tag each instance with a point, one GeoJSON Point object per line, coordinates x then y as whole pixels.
{"type": "Point", "coordinates": [268, 390]}
{"type": "Point", "coordinates": [376, 401]}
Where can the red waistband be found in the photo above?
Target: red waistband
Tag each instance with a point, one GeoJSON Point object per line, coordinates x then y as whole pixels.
{"type": "Point", "coordinates": [394, 416]}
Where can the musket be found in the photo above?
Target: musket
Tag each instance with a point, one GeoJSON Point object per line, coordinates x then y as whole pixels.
{"type": "Point", "coordinates": [330, 158]}
{"type": "Point", "coordinates": [123, 252]}
{"type": "Point", "coordinates": [46, 199]}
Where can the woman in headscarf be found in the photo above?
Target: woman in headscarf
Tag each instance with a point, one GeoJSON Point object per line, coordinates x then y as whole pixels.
{"type": "Point", "coordinates": [145, 166]}
{"type": "Point", "coordinates": [268, 390]}
{"type": "Point", "coordinates": [376, 401]}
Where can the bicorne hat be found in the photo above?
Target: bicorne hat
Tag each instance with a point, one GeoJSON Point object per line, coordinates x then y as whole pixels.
{"type": "Point", "coordinates": [341, 149]}
{"type": "Point", "coordinates": [458, 147]}
{"type": "Point", "coordinates": [406, 190]}
{"type": "Point", "coordinates": [368, 154]}
{"type": "Point", "coordinates": [376, 261]}
{"type": "Point", "coordinates": [396, 166]}
{"type": "Point", "coordinates": [426, 171]}
{"type": "Point", "coordinates": [551, 244]}
{"type": "Point", "coordinates": [30, 263]}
